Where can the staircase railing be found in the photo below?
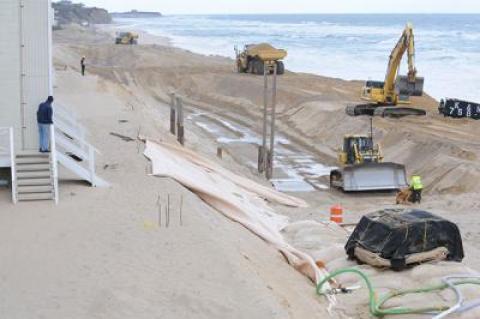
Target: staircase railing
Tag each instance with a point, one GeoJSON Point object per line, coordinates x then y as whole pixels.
{"type": "Point", "coordinates": [12, 166]}
{"type": "Point", "coordinates": [73, 151]}
{"type": "Point", "coordinates": [53, 161]}
{"type": "Point", "coordinates": [7, 156]}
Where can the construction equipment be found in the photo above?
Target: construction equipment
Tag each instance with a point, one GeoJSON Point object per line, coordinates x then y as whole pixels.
{"type": "Point", "coordinates": [126, 38]}
{"type": "Point", "coordinates": [395, 89]}
{"type": "Point", "coordinates": [254, 57]}
{"type": "Point", "coordinates": [364, 169]}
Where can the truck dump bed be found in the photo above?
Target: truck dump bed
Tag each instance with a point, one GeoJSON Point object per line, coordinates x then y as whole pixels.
{"type": "Point", "coordinates": [266, 52]}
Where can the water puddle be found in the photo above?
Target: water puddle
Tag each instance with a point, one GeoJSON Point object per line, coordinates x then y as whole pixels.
{"type": "Point", "coordinates": [295, 170]}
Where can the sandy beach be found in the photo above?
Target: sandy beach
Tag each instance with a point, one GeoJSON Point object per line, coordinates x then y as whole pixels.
{"type": "Point", "coordinates": [101, 253]}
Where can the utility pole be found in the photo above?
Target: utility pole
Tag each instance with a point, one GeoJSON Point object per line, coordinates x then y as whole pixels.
{"type": "Point", "coordinates": [269, 172]}
{"type": "Point", "coordinates": [265, 153]}
{"type": "Point", "coordinates": [262, 150]}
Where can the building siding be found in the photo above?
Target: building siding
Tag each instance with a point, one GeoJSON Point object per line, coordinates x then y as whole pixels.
{"type": "Point", "coordinates": [36, 64]}
{"type": "Point", "coordinates": [30, 25]}
{"type": "Point", "coordinates": [10, 67]}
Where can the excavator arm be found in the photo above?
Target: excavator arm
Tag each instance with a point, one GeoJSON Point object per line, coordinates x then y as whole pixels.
{"type": "Point", "coordinates": [396, 88]}
{"type": "Point", "coordinates": [406, 43]}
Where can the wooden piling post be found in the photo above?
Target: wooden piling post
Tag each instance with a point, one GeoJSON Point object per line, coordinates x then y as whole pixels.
{"type": "Point", "coordinates": [219, 152]}
{"type": "Point", "coordinates": [180, 127]}
{"type": "Point", "coordinates": [172, 113]}
{"type": "Point", "coordinates": [261, 159]}
{"type": "Point", "coordinates": [167, 214]}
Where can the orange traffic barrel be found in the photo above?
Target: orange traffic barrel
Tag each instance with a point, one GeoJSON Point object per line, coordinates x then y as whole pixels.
{"type": "Point", "coordinates": [336, 214]}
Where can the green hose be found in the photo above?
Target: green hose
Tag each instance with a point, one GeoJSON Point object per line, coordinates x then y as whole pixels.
{"type": "Point", "coordinates": [376, 305]}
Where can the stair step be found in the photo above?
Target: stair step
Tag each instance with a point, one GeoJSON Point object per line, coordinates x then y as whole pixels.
{"type": "Point", "coordinates": [33, 167]}
{"type": "Point", "coordinates": [34, 182]}
{"type": "Point", "coordinates": [35, 196]}
{"type": "Point", "coordinates": [31, 160]}
{"type": "Point", "coordinates": [34, 189]}
{"type": "Point", "coordinates": [32, 175]}
{"type": "Point", "coordinates": [32, 154]}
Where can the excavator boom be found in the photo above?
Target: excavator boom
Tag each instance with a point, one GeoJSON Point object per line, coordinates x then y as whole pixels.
{"type": "Point", "coordinates": [406, 43]}
{"type": "Point", "coordinates": [396, 89]}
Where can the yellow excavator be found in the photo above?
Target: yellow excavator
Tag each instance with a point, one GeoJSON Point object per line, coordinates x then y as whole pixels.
{"type": "Point", "coordinates": [363, 168]}
{"type": "Point", "coordinates": [384, 96]}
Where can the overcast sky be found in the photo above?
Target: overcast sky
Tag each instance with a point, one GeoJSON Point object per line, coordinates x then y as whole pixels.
{"type": "Point", "coordinates": [290, 6]}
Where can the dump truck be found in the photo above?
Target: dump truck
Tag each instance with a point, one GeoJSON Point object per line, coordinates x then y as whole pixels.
{"type": "Point", "coordinates": [254, 57]}
{"type": "Point", "coordinates": [126, 38]}
{"type": "Point", "coordinates": [395, 89]}
{"type": "Point", "coordinates": [363, 168]}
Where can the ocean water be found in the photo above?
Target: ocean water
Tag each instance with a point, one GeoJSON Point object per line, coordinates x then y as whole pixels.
{"type": "Point", "coordinates": [344, 46]}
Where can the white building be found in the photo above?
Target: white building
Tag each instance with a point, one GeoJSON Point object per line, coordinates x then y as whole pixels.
{"type": "Point", "coordinates": [25, 81]}
{"type": "Point", "coordinates": [25, 64]}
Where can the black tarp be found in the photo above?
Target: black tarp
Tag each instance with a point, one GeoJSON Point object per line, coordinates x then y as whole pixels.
{"type": "Point", "coordinates": [397, 233]}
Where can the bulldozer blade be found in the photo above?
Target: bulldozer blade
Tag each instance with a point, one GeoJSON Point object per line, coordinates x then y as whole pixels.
{"type": "Point", "coordinates": [374, 176]}
{"type": "Point", "coordinates": [405, 87]}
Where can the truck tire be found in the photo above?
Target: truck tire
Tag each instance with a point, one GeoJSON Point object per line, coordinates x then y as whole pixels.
{"type": "Point", "coordinates": [258, 67]}
{"type": "Point", "coordinates": [240, 68]}
{"type": "Point", "coordinates": [249, 67]}
{"type": "Point", "coordinates": [280, 68]}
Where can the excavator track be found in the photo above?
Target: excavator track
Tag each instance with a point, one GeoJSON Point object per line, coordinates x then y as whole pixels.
{"type": "Point", "coordinates": [370, 109]}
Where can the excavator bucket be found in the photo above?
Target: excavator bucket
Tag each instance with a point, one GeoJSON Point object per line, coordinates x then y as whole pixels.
{"type": "Point", "coordinates": [406, 88]}
{"type": "Point", "coordinates": [374, 176]}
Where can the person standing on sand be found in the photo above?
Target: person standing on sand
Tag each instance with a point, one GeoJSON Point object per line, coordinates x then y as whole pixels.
{"type": "Point", "coordinates": [44, 120]}
{"type": "Point", "coordinates": [82, 65]}
{"type": "Point", "coordinates": [416, 186]}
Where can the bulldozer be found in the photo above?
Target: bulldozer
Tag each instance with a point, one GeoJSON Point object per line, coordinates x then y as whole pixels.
{"type": "Point", "coordinates": [384, 96]}
{"type": "Point", "coordinates": [254, 57]}
{"type": "Point", "coordinates": [363, 168]}
{"type": "Point", "coordinates": [126, 38]}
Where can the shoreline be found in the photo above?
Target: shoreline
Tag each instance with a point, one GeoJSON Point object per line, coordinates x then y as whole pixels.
{"type": "Point", "coordinates": [165, 40]}
{"type": "Point", "coordinates": [150, 38]}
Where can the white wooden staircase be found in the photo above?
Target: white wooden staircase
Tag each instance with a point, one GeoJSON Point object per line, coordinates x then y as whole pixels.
{"type": "Point", "coordinates": [34, 177]}
{"type": "Point", "coordinates": [35, 174]}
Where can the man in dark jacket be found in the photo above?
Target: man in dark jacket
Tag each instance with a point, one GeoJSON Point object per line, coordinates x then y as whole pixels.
{"type": "Point", "coordinates": [44, 120]}
{"type": "Point", "coordinates": [82, 65]}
